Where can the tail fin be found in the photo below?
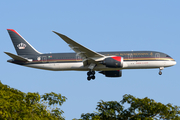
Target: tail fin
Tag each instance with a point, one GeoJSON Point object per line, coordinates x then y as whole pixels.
{"type": "Point", "coordinates": [21, 45]}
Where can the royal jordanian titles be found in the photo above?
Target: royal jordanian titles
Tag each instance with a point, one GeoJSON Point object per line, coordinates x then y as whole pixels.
{"type": "Point", "coordinates": [109, 64]}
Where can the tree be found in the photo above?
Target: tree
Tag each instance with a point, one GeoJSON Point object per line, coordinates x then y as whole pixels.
{"type": "Point", "coordinates": [146, 109]}
{"type": "Point", "coordinates": [15, 104]}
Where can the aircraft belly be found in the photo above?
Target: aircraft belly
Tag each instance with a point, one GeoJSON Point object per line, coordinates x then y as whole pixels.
{"type": "Point", "coordinates": [58, 66]}
{"type": "Point", "coordinates": [80, 67]}
{"type": "Point", "coordinates": [70, 66]}
{"type": "Point", "coordinates": [45, 66]}
{"type": "Point", "coordinates": [145, 64]}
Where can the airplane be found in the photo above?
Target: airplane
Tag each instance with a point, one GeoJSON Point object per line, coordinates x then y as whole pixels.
{"type": "Point", "coordinates": [109, 64]}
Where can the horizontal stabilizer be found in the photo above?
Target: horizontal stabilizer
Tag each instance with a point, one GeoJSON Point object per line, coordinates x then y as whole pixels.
{"type": "Point", "coordinates": [16, 57]}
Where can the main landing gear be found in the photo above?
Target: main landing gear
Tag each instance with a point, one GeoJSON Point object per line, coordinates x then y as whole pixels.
{"type": "Point", "coordinates": [160, 72]}
{"type": "Point", "coordinates": [90, 75]}
{"type": "Point", "coordinates": [91, 72]}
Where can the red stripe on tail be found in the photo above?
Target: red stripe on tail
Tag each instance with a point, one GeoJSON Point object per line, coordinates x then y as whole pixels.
{"type": "Point", "coordinates": [14, 31]}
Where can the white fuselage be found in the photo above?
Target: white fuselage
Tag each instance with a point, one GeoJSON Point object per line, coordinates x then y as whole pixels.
{"type": "Point", "coordinates": [78, 66]}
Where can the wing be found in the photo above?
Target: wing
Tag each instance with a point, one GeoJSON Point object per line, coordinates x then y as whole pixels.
{"type": "Point", "coordinates": [87, 55]}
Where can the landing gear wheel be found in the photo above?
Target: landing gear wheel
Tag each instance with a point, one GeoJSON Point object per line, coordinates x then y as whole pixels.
{"type": "Point", "coordinates": [160, 73]}
{"type": "Point", "coordinates": [93, 72]}
{"type": "Point", "coordinates": [93, 77]}
{"type": "Point", "coordinates": [161, 68]}
{"type": "Point", "coordinates": [89, 73]}
{"type": "Point", "coordinates": [88, 78]}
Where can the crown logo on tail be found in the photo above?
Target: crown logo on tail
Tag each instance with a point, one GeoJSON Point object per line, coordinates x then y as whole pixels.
{"type": "Point", "coordinates": [21, 46]}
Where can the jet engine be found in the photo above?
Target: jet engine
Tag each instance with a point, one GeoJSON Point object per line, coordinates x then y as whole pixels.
{"type": "Point", "coordinates": [117, 73]}
{"type": "Point", "coordinates": [113, 62]}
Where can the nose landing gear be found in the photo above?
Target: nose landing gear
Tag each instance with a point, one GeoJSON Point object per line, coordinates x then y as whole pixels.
{"type": "Point", "coordinates": [160, 72]}
{"type": "Point", "coordinates": [90, 75]}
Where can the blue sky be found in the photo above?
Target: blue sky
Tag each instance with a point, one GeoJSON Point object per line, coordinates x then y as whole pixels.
{"type": "Point", "coordinates": [100, 26]}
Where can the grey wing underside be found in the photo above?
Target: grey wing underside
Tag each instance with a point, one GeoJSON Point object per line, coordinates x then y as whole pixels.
{"type": "Point", "coordinates": [88, 56]}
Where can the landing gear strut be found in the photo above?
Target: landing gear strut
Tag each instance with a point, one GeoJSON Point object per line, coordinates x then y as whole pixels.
{"type": "Point", "coordinates": [160, 72]}
{"type": "Point", "coordinates": [91, 75]}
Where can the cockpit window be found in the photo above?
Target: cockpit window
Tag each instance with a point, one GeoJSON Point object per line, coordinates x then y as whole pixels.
{"type": "Point", "coordinates": [167, 56]}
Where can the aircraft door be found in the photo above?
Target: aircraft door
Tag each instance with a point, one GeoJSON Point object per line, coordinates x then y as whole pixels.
{"type": "Point", "coordinates": [130, 56]}
{"type": "Point", "coordinates": [157, 56]}
{"type": "Point", "coordinates": [78, 58]}
{"type": "Point", "coordinates": [44, 58]}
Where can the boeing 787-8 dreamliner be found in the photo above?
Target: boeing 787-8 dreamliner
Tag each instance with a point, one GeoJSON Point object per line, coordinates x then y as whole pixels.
{"type": "Point", "coordinates": [110, 64]}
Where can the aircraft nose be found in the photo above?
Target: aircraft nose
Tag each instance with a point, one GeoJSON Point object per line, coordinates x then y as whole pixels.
{"type": "Point", "coordinates": [174, 62]}
{"type": "Point", "coordinates": [171, 62]}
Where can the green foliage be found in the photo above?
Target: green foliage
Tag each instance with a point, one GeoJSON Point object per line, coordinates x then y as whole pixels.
{"type": "Point", "coordinates": [15, 104]}
{"type": "Point", "coordinates": [146, 109]}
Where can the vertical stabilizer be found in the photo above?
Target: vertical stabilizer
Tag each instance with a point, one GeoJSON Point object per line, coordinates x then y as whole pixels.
{"type": "Point", "coordinates": [21, 45]}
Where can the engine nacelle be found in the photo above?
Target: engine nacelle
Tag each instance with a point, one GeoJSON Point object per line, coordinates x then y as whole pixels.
{"type": "Point", "coordinates": [117, 73]}
{"type": "Point", "coordinates": [113, 62]}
